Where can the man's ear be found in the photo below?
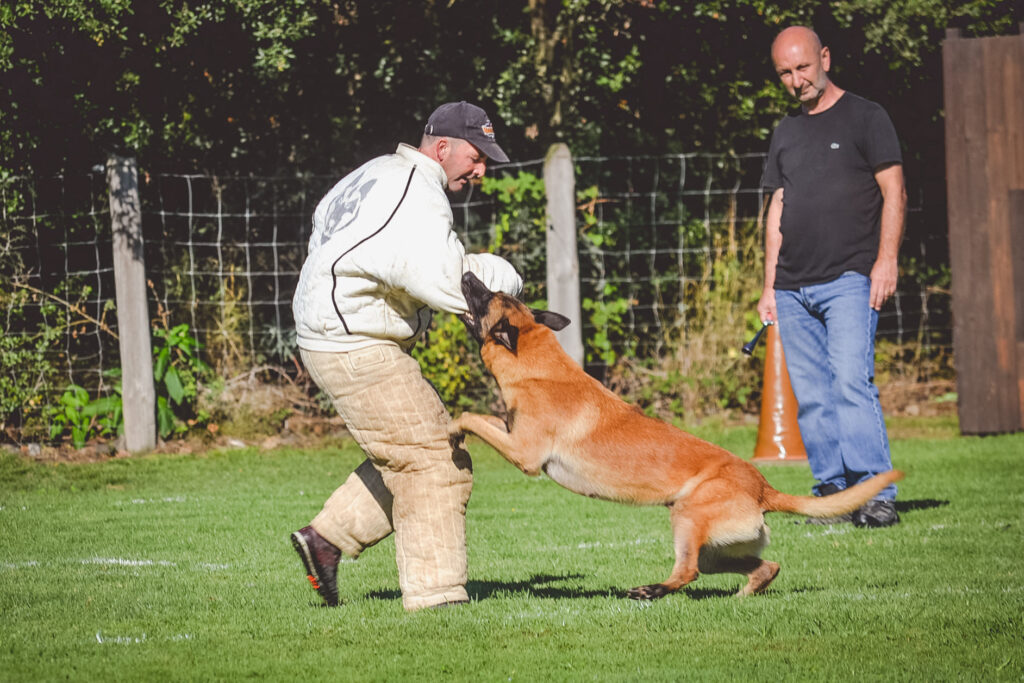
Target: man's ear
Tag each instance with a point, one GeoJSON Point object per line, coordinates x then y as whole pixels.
{"type": "Point", "coordinates": [555, 321]}
{"type": "Point", "coordinates": [506, 334]}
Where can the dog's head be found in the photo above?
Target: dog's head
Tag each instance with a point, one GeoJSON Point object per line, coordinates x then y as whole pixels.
{"type": "Point", "coordinates": [499, 317]}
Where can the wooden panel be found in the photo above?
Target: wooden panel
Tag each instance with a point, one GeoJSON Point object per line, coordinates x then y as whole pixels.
{"type": "Point", "coordinates": [965, 173]}
{"type": "Point", "coordinates": [1017, 251]}
{"type": "Point", "coordinates": [999, 57]}
{"type": "Point", "coordinates": [984, 162]}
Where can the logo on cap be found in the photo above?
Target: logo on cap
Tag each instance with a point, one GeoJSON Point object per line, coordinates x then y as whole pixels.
{"type": "Point", "coordinates": [488, 129]}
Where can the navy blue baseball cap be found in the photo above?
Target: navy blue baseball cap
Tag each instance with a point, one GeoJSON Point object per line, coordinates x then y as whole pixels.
{"type": "Point", "coordinates": [468, 122]}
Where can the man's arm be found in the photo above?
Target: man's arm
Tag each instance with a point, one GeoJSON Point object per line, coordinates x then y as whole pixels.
{"type": "Point", "coordinates": [772, 245]}
{"type": "Point", "coordinates": [885, 272]}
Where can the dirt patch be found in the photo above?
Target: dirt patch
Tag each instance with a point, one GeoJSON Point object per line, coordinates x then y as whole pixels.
{"type": "Point", "coordinates": [919, 399]}
{"type": "Point", "coordinates": [299, 430]}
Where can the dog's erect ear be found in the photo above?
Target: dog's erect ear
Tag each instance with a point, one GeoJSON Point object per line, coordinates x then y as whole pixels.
{"type": "Point", "coordinates": [555, 321]}
{"type": "Point", "coordinates": [506, 334]}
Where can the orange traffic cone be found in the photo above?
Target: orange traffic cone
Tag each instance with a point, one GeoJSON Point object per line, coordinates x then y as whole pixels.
{"type": "Point", "coordinates": [778, 435]}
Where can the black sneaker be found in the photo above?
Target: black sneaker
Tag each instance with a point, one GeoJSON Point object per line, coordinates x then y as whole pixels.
{"type": "Point", "coordinates": [876, 513]}
{"type": "Point", "coordinates": [828, 490]}
{"type": "Point", "coordinates": [320, 558]}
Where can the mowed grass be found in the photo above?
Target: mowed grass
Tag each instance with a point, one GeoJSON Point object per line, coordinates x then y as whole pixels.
{"type": "Point", "coordinates": [179, 568]}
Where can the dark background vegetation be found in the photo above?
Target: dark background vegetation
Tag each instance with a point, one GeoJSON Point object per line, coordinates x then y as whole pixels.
{"type": "Point", "coordinates": [270, 87]}
{"type": "Point", "coordinates": [315, 86]}
{"type": "Point", "coordinates": [289, 88]}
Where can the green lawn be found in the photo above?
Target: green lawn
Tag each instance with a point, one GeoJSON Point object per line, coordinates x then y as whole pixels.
{"type": "Point", "coordinates": [179, 568]}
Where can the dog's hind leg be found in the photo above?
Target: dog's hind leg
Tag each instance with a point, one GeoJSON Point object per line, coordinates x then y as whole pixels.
{"type": "Point", "coordinates": [689, 535]}
{"type": "Point", "coordinates": [759, 572]}
{"type": "Point", "coordinates": [741, 558]}
{"type": "Point", "coordinates": [760, 577]}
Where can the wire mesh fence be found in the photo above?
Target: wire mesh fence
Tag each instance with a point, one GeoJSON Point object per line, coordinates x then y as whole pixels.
{"type": "Point", "coordinates": [223, 254]}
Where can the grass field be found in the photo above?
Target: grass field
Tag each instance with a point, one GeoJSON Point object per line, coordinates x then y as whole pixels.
{"type": "Point", "coordinates": [179, 568]}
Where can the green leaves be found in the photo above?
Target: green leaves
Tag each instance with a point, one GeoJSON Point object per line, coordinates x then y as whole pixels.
{"type": "Point", "coordinates": [83, 417]}
{"type": "Point", "coordinates": [177, 370]}
{"type": "Point", "coordinates": [255, 85]}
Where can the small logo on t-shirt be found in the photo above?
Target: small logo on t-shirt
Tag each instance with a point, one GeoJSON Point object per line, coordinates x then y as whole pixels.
{"type": "Point", "coordinates": [835, 145]}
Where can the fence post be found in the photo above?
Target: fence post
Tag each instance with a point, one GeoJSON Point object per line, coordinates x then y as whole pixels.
{"type": "Point", "coordinates": [563, 267]}
{"type": "Point", "coordinates": [137, 390]}
{"type": "Point", "coordinates": [1016, 201]}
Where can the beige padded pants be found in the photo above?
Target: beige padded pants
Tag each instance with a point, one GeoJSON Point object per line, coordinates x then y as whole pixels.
{"type": "Point", "coordinates": [413, 482]}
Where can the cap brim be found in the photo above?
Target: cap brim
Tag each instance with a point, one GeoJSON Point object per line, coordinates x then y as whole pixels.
{"type": "Point", "coordinates": [492, 151]}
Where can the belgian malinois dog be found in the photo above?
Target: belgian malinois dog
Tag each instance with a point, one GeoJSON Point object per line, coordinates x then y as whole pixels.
{"type": "Point", "coordinates": [568, 425]}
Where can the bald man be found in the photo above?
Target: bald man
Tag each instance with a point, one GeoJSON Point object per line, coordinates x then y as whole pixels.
{"type": "Point", "coordinates": [833, 230]}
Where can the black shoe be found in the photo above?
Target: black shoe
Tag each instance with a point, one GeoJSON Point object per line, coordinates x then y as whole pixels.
{"type": "Point", "coordinates": [876, 513]}
{"type": "Point", "coordinates": [828, 490]}
{"type": "Point", "coordinates": [320, 558]}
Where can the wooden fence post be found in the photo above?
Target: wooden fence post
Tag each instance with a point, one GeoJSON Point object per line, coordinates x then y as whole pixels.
{"type": "Point", "coordinates": [1016, 201]}
{"type": "Point", "coordinates": [563, 266]}
{"type": "Point", "coordinates": [984, 166]}
{"type": "Point", "coordinates": [137, 390]}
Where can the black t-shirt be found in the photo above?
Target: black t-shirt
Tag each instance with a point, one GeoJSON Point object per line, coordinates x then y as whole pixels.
{"type": "Point", "coordinates": [832, 205]}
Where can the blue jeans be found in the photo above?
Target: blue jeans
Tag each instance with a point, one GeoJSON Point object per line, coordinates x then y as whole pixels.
{"type": "Point", "coordinates": [828, 335]}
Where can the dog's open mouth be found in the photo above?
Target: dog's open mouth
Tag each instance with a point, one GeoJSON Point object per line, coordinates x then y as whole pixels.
{"type": "Point", "coordinates": [472, 325]}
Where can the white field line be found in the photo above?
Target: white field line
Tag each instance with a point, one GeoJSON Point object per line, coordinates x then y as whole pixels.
{"type": "Point", "coordinates": [627, 544]}
{"type": "Point", "coordinates": [146, 501]}
{"type": "Point", "coordinates": [121, 562]}
{"type": "Point", "coordinates": [117, 562]}
{"type": "Point", "coordinates": [592, 545]}
{"type": "Point", "coordinates": [132, 640]}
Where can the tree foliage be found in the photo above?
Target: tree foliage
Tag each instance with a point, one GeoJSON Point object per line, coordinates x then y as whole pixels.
{"type": "Point", "coordinates": [316, 85]}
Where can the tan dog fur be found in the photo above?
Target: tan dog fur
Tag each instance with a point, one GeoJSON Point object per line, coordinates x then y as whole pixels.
{"type": "Point", "coordinates": [568, 425]}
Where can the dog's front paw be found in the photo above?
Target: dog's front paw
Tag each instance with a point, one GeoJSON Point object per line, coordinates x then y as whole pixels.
{"type": "Point", "coordinates": [456, 435]}
{"type": "Point", "coordinates": [651, 592]}
{"type": "Point", "coordinates": [455, 430]}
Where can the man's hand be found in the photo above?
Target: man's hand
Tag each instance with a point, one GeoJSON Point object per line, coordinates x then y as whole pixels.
{"type": "Point", "coordinates": [766, 306]}
{"type": "Point", "coordinates": [894, 208]}
{"type": "Point", "coordinates": [884, 275]}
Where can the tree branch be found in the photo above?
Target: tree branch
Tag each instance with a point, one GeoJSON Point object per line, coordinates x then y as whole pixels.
{"type": "Point", "coordinates": [70, 306]}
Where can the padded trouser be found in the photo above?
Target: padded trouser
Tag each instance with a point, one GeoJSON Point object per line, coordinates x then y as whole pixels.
{"type": "Point", "coordinates": [413, 482]}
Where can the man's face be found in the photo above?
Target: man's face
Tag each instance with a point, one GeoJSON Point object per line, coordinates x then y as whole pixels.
{"type": "Point", "coordinates": [462, 163]}
{"type": "Point", "coordinates": [802, 67]}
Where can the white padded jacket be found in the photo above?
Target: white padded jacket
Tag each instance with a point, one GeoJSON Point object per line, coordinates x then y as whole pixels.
{"type": "Point", "coordinates": [383, 254]}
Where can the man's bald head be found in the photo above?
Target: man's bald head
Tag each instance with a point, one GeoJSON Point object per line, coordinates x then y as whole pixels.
{"type": "Point", "coordinates": [796, 36]}
{"type": "Point", "coordinates": [802, 65]}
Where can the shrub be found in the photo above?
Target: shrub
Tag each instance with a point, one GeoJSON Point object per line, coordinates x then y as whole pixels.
{"type": "Point", "coordinates": [700, 370]}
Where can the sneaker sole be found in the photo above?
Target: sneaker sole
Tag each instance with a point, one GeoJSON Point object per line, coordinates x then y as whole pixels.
{"type": "Point", "coordinates": [306, 555]}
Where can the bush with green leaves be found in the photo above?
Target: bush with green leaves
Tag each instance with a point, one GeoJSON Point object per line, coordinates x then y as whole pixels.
{"type": "Point", "coordinates": [28, 373]}
{"type": "Point", "coordinates": [451, 361]}
{"type": "Point", "coordinates": [177, 373]}
{"type": "Point", "coordinates": [85, 418]}
{"type": "Point", "coordinates": [519, 227]}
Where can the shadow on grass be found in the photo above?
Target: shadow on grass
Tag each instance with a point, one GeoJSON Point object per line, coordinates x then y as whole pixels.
{"type": "Point", "coordinates": [705, 593]}
{"type": "Point", "coordinates": [923, 504]}
{"type": "Point", "coordinates": [538, 586]}
{"type": "Point", "coordinates": [541, 586]}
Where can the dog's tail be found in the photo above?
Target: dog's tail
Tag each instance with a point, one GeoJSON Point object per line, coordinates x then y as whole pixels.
{"type": "Point", "coordinates": [839, 503]}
